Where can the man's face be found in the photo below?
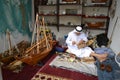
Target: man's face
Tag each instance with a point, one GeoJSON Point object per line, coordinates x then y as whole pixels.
{"type": "Point", "coordinates": [77, 33]}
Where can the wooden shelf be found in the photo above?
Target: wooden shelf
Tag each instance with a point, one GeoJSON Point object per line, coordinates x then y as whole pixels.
{"type": "Point", "coordinates": [47, 14]}
{"type": "Point", "coordinates": [70, 15]}
{"type": "Point", "coordinates": [96, 5]}
{"type": "Point", "coordinates": [70, 4]}
{"type": "Point", "coordinates": [96, 28]}
{"type": "Point", "coordinates": [61, 10]}
{"type": "Point", "coordinates": [63, 25]}
{"type": "Point", "coordinates": [49, 5]}
{"type": "Point", "coordinates": [48, 24]}
{"type": "Point", "coordinates": [100, 17]}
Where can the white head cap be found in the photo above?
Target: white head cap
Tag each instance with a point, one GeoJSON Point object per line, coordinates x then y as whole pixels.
{"type": "Point", "coordinates": [78, 29]}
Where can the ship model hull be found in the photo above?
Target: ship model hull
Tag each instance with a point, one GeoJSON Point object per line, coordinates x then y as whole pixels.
{"type": "Point", "coordinates": [33, 57]}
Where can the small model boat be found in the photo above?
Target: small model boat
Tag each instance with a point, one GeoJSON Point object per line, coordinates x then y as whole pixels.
{"type": "Point", "coordinates": [8, 56]}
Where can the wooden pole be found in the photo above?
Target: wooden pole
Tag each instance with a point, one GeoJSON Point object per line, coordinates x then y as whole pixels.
{"type": "Point", "coordinates": [37, 21]}
{"type": "Point", "coordinates": [44, 33]}
{"type": "Point", "coordinates": [9, 42]}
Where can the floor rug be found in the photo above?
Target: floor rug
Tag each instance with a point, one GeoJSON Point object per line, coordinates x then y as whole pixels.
{"type": "Point", "coordinates": [65, 61]}
{"type": "Point", "coordinates": [44, 76]}
{"type": "Point", "coordinates": [64, 72]}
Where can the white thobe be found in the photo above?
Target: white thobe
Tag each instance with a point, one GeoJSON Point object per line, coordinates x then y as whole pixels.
{"type": "Point", "coordinates": [83, 52]}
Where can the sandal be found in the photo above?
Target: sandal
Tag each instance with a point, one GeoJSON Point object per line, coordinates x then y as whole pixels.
{"type": "Point", "coordinates": [108, 68]}
{"type": "Point", "coordinates": [102, 67]}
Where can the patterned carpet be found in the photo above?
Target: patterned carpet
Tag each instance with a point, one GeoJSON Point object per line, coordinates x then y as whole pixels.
{"type": "Point", "coordinates": [44, 76]}
{"type": "Point", "coordinates": [74, 75]}
{"type": "Point", "coordinates": [68, 62]}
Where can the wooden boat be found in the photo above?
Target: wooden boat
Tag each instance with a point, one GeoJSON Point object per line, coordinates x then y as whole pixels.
{"type": "Point", "coordinates": [41, 44]}
{"type": "Point", "coordinates": [8, 56]}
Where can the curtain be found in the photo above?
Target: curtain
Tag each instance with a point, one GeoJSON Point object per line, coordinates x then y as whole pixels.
{"type": "Point", "coordinates": [15, 15]}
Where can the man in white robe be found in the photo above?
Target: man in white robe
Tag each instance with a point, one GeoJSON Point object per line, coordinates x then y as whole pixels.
{"type": "Point", "coordinates": [76, 37]}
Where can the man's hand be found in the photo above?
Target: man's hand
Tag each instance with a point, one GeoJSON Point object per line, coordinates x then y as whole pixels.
{"type": "Point", "coordinates": [81, 41]}
{"type": "Point", "coordinates": [81, 44]}
{"type": "Point", "coordinates": [73, 42]}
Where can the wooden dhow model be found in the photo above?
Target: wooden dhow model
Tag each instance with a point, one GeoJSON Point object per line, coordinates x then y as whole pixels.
{"type": "Point", "coordinates": [41, 45]}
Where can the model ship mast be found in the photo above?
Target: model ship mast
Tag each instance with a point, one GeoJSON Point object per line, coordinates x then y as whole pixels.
{"type": "Point", "coordinates": [45, 27]}
{"type": "Point", "coordinates": [39, 36]}
{"type": "Point", "coordinates": [9, 42]}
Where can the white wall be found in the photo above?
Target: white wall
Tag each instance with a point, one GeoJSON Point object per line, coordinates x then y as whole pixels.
{"type": "Point", "coordinates": [115, 45]}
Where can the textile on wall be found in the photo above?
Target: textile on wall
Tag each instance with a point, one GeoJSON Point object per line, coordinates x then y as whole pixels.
{"type": "Point", "coordinates": [15, 15]}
